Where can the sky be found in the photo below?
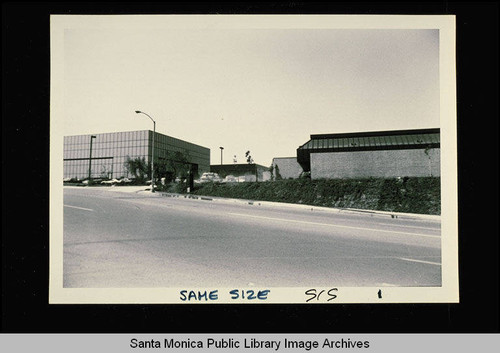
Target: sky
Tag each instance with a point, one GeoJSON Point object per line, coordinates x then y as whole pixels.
{"type": "Point", "coordinates": [263, 90]}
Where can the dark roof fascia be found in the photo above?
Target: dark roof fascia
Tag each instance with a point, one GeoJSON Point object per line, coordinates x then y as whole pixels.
{"type": "Point", "coordinates": [373, 148]}
{"type": "Point", "coordinates": [376, 133]}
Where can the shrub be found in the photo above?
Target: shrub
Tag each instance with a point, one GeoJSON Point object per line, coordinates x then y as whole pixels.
{"type": "Point", "coordinates": [410, 195]}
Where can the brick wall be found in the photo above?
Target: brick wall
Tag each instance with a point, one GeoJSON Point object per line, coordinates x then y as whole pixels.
{"type": "Point", "coordinates": [380, 164]}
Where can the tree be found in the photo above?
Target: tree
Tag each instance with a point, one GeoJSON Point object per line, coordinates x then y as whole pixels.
{"type": "Point", "coordinates": [427, 153]}
{"type": "Point", "coordinates": [174, 165]}
{"type": "Point", "coordinates": [277, 171]}
{"type": "Point", "coordinates": [104, 172]}
{"type": "Point", "coordinates": [138, 167]}
{"type": "Point", "coordinates": [248, 157]}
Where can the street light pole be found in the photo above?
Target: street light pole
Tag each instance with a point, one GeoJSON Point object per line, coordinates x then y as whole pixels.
{"type": "Point", "coordinates": [221, 148]}
{"type": "Point", "coordinates": [152, 151]}
{"type": "Point", "coordinates": [92, 137]}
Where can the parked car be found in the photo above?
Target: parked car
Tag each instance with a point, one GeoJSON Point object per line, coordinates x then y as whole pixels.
{"type": "Point", "coordinates": [94, 181]}
{"type": "Point", "coordinates": [111, 182]}
{"type": "Point", "coordinates": [230, 179]}
{"type": "Point", "coordinates": [209, 177]}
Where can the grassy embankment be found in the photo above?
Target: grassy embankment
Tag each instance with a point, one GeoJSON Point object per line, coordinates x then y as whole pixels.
{"type": "Point", "coordinates": [408, 195]}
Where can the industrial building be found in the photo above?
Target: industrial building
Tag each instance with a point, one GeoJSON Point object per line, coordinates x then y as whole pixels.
{"type": "Point", "coordinates": [104, 155]}
{"type": "Point", "coordinates": [245, 172]}
{"type": "Point", "coordinates": [286, 168]}
{"type": "Point", "coordinates": [379, 154]}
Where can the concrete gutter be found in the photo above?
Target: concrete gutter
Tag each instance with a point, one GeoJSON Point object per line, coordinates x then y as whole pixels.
{"type": "Point", "coordinates": [433, 218]}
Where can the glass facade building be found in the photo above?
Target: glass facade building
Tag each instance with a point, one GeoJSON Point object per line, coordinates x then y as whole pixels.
{"type": "Point", "coordinates": [111, 150]}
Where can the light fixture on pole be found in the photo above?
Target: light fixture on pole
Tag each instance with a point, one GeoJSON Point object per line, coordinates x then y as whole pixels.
{"type": "Point", "coordinates": [221, 149]}
{"type": "Point", "coordinates": [152, 151]}
{"type": "Point", "coordinates": [92, 137]}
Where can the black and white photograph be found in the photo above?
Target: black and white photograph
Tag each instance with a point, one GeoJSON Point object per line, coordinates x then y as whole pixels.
{"type": "Point", "coordinates": [285, 176]}
{"type": "Point", "coordinates": [253, 159]}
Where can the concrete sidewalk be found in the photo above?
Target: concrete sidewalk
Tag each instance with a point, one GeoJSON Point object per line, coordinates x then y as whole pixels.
{"type": "Point", "coordinates": [121, 188]}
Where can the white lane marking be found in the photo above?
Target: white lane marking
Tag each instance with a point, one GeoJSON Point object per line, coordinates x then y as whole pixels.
{"type": "Point", "coordinates": [420, 261]}
{"type": "Point", "coordinates": [79, 208]}
{"type": "Point", "coordinates": [332, 225]}
{"type": "Point", "coordinates": [405, 226]}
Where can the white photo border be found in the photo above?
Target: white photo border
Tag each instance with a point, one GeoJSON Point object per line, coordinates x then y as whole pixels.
{"type": "Point", "coordinates": [447, 293]}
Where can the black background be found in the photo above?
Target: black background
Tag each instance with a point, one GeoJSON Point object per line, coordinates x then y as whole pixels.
{"type": "Point", "coordinates": [25, 192]}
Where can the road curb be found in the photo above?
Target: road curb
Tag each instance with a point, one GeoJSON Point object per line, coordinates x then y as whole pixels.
{"type": "Point", "coordinates": [434, 218]}
{"type": "Point", "coordinates": [373, 213]}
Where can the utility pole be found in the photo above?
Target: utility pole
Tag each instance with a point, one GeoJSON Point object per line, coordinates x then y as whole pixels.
{"type": "Point", "coordinates": [92, 137]}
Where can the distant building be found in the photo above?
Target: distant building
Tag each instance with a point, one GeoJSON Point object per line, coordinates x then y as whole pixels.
{"type": "Point", "coordinates": [383, 154]}
{"type": "Point", "coordinates": [245, 172]}
{"type": "Point", "coordinates": [111, 150]}
{"type": "Point", "coordinates": [286, 168]}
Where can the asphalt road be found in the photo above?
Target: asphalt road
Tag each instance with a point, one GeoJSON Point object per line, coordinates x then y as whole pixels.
{"type": "Point", "coordinates": [115, 239]}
